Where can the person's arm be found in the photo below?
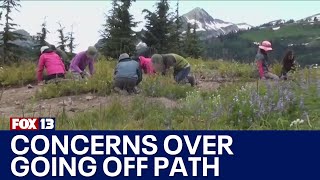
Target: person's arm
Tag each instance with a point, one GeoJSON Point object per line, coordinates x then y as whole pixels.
{"type": "Point", "coordinates": [75, 62]}
{"type": "Point", "coordinates": [139, 73]}
{"type": "Point", "coordinates": [91, 67]}
{"type": "Point", "coordinates": [40, 68]}
{"type": "Point", "coordinates": [115, 70]}
{"type": "Point", "coordinates": [165, 67]}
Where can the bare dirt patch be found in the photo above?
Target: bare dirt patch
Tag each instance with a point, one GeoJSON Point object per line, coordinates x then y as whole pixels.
{"type": "Point", "coordinates": [19, 102]}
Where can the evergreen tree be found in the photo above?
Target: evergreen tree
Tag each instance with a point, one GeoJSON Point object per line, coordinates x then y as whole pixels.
{"type": "Point", "coordinates": [159, 27]}
{"type": "Point", "coordinates": [63, 39]}
{"type": "Point", "coordinates": [118, 34]}
{"type": "Point", "coordinates": [192, 46]}
{"type": "Point", "coordinates": [176, 35]}
{"type": "Point", "coordinates": [7, 35]}
{"type": "Point", "coordinates": [197, 49]}
{"type": "Point", "coordinates": [42, 36]}
{"type": "Point", "coordinates": [188, 41]}
{"type": "Point", "coordinates": [71, 45]}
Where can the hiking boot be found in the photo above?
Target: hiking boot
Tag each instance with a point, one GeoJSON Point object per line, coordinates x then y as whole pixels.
{"type": "Point", "coordinates": [120, 91]}
{"type": "Point", "coordinates": [136, 90]}
{"type": "Point", "coordinates": [192, 80]}
{"type": "Point", "coordinates": [30, 86]}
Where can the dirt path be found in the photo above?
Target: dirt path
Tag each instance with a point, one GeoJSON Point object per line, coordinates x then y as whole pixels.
{"type": "Point", "coordinates": [19, 102]}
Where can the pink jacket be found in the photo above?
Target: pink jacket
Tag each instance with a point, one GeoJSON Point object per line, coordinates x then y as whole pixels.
{"type": "Point", "coordinates": [146, 65]}
{"type": "Point", "coordinates": [53, 64]}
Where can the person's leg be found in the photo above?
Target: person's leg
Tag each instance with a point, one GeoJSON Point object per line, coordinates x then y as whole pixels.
{"type": "Point", "coordinates": [53, 78]}
{"type": "Point", "coordinates": [270, 75]}
{"type": "Point", "coordinates": [284, 75]}
{"type": "Point", "coordinates": [119, 83]}
{"type": "Point", "coordinates": [130, 85]}
{"type": "Point", "coordinates": [182, 75]}
{"type": "Point", "coordinates": [119, 86]}
{"type": "Point", "coordinates": [192, 80]}
{"type": "Point", "coordinates": [76, 76]}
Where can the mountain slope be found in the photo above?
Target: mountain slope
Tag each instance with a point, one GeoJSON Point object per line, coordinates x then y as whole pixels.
{"type": "Point", "coordinates": [311, 19]}
{"type": "Point", "coordinates": [206, 23]}
{"type": "Point", "coordinates": [301, 37]}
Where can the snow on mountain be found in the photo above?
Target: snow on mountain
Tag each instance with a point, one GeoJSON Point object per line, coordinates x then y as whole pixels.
{"type": "Point", "coordinates": [273, 23]}
{"type": "Point", "coordinates": [277, 22]}
{"type": "Point", "coordinates": [244, 26]}
{"type": "Point", "coordinates": [206, 23]}
{"type": "Point", "coordinates": [276, 28]}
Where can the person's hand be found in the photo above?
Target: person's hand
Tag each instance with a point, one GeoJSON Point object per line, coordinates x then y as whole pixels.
{"type": "Point", "coordinates": [88, 74]}
{"type": "Point", "coordinates": [83, 74]}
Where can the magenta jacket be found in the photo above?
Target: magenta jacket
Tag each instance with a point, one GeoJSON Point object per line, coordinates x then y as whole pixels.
{"type": "Point", "coordinates": [80, 62]}
{"type": "Point", "coordinates": [52, 63]}
{"type": "Point", "coordinates": [146, 65]}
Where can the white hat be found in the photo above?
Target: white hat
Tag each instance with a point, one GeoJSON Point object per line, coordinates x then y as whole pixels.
{"type": "Point", "coordinates": [43, 48]}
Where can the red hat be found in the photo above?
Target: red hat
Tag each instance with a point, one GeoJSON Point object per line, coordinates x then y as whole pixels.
{"type": "Point", "coordinates": [266, 45]}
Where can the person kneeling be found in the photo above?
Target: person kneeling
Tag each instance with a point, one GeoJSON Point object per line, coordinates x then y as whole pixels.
{"type": "Point", "coordinates": [181, 67]}
{"type": "Point", "coordinates": [81, 61]}
{"type": "Point", "coordinates": [52, 63]}
{"type": "Point", "coordinates": [288, 64]}
{"type": "Point", "coordinates": [127, 75]}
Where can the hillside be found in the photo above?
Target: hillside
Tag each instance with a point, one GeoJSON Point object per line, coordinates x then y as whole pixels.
{"type": "Point", "coordinates": [301, 36]}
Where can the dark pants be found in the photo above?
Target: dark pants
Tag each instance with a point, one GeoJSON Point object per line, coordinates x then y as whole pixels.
{"type": "Point", "coordinates": [127, 84]}
{"type": "Point", "coordinates": [182, 74]}
{"type": "Point", "coordinates": [53, 76]}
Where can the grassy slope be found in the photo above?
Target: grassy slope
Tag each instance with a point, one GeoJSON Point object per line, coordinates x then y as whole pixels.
{"type": "Point", "coordinates": [295, 31]}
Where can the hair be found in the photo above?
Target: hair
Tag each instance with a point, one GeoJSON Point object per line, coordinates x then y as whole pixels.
{"type": "Point", "coordinates": [53, 47]}
{"type": "Point", "coordinates": [287, 62]}
{"type": "Point", "coordinates": [262, 51]}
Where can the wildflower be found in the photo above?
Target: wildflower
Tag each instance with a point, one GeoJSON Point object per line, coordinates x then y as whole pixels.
{"type": "Point", "coordinates": [236, 98]}
{"type": "Point", "coordinates": [296, 122]}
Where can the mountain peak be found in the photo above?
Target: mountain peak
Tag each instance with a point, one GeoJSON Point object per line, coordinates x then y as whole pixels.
{"type": "Point", "coordinates": [205, 23]}
{"type": "Point", "coordinates": [198, 13]}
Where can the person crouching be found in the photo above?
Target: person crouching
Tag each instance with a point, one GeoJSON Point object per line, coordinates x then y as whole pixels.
{"type": "Point", "coordinates": [288, 64]}
{"type": "Point", "coordinates": [53, 64]}
{"type": "Point", "coordinates": [127, 75]}
{"type": "Point", "coordinates": [163, 62]}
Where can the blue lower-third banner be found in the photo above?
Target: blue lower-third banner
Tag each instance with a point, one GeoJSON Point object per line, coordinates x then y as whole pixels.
{"type": "Point", "coordinates": [185, 155]}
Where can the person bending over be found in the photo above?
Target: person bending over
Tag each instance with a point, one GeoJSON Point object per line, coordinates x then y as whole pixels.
{"type": "Point", "coordinates": [52, 63]}
{"type": "Point", "coordinates": [81, 61]}
{"type": "Point", "coordinates": [288, 64]}
{"type": "Point", "coordinates": [163, 62]}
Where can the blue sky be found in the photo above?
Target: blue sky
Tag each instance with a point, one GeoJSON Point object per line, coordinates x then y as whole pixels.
{"type": "Point", "coordinates": [87, 17]}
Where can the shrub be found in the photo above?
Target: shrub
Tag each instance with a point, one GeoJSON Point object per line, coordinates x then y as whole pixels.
{"type": "Point", "coordinates": [18, 74]}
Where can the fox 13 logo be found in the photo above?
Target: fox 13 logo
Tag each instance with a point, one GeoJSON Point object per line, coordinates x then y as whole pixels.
{"type": "Point", "coordinates": [32, 124]}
